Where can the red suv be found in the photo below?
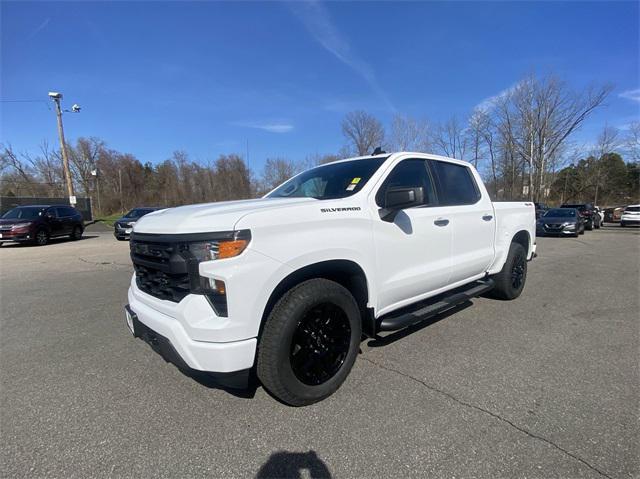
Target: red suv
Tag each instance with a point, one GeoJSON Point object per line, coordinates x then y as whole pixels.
{"type": "Point", "coordinates": [39, 223]}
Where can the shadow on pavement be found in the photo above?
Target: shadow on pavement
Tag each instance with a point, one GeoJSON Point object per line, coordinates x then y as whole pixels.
{"type": "Point", "coordinates": [283, 464]}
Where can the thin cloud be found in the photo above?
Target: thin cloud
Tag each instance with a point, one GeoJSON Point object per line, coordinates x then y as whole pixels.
{"type": "Point", "coordinates": [317, 20]}
{"type": "Point", "coordinates": [271, 127]}
{"type": "Point", "coordinates": [490, 102]}
{"type": "Point", "coordinates": [633, 95]}
{"type": "Point", "coordinates": [39, 28]}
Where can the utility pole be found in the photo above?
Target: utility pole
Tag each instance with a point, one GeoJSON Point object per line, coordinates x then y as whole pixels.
{"type": "Point", "coordinates": [56, 97]}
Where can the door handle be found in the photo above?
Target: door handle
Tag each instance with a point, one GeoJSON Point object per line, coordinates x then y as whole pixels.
{"type": "Point", "coordinates": [487, 217]}
{"type": "Point", "coordinates": [441, 222]}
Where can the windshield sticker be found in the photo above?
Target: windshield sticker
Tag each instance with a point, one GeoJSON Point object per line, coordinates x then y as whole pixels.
{"type": "Point", "coordinates": [351, 187]}
{"type": "Point", "coordinates": [355, 181]}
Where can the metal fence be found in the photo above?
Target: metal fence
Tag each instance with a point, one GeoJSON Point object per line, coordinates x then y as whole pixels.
{"type": "Point", "coordinates": [8, 202]}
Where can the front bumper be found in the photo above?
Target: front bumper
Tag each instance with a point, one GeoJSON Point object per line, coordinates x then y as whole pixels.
{"type": "Point", "coordinates": [556, 231]}
{"type": "Point", "coordinates": [121, 233]}
{"type": "Point", "coordinates": [165, 348]}
{"type": "Point", "coordinates": [15, 237]}
{"type": "Point", "coordinates": [217, 357]}
{"type": "Point", "coordinates": [629, 219]}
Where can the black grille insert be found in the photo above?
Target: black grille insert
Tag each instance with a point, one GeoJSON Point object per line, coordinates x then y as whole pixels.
{"type": "Point", "coordinates": [162, 269]}
{"type": "Point", "coordinates": [166, 269]}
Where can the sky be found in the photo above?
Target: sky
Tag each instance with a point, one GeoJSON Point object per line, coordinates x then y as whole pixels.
{"type": "Point", "coordinates": [214, 78]}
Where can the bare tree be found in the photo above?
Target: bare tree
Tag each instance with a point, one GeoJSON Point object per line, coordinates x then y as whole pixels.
{"type": "Point", "coordinates": [275, 172]}
{"type": "Point", "coordinates": [450, 138]}
{"type": "Point", "coordinates": [632, 141]}
{"type": "Point", "coordinates": [538, 116]}
{"type": "Point", "coordinates": [608, 142]}
{"type": "Point", "coordinates": [363, 132]}
{"type": "Point", "coordinates": [409, 134]}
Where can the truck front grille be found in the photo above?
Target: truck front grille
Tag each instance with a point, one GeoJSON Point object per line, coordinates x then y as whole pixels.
{"type": "Point", "coordinates": [161, 270]}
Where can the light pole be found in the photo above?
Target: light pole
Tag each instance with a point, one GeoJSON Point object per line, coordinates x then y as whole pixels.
{"type": "Point", "coordinates": [56, 97]}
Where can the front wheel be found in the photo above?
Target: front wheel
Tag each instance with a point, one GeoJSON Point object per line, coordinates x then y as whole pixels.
{"type": "Point", "coordinates": [509, 282]}
{"type": "Point", "coordinates": [42, 238]}
{"type": "Point", "coordinates": [310, 342]}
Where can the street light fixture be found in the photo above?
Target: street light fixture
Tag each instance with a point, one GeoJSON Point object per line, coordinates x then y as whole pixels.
{"type": "Point", "coordinates": [56, 97]}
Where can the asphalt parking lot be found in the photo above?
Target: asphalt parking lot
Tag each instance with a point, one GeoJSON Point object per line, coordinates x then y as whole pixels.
{"type": "Point", "coordinates": [544, 386]}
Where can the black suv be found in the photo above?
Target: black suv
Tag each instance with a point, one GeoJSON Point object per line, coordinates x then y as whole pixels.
{"type": "Point", "coordinates": [123, 226]}
{"type": "Point", "coordinates": [588, 212]}
{"type": "Point", "coordinates": [39, 223]}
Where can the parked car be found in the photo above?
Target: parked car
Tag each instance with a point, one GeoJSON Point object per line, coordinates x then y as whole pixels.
{"type": "Point", "coordinates": [613, 215]}
{"type": "Point", "coordinates": [286, 285]}
{"type": "Point", "coordinates": [541, 209]}
{"type": "Point", "coordinates": [591, 218]}
{"type": "Point", "coordinates": [630, 216]}
{"type": "Point", "coordinates": [600, 213]}
{"type": "Point", "coordinates": [39, 223]}
{"type": "Point", "coordinates": [123, 226]}
{"type": "Point", "coordinates": [560, 222]}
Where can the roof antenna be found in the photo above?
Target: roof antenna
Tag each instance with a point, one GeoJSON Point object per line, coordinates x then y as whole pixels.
{"type": "Point", "coordinates": [378, 151]}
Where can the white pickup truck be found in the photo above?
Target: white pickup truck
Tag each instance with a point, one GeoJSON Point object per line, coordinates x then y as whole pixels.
{"type": "Point", "coordinates": [286, 286]}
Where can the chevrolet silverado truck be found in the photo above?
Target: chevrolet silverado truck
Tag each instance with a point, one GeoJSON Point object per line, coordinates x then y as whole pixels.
{"type": "Point", "coordinates": [285, 287]}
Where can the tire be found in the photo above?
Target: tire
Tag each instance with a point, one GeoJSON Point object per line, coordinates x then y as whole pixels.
{"type": "Point", "coordinates": [289, 365]}
{"type": "Point", "coordinates": [589, 227]}
{"type": "Point", "coordinates": [76, 234]}
{"type": "Point", "coordinates": [622, 225]}
{"type": "Point", "coordinates": [507, 285]}
{"type": "Point", "coordinates": [581, 231]}
{"type": "Point", "coordinates": [41, 238]}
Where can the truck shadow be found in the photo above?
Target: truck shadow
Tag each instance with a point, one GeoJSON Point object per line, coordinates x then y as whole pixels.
{"type": "Point", "coordinates": [284, 464]}
{"type": "Point", "coordinates": [381, 341]}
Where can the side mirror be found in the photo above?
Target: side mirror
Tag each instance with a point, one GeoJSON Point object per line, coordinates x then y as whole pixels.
{"type": "Point", "coordinates": [49, 216]}
{"type": "Point", "coordinates": [398, 198]}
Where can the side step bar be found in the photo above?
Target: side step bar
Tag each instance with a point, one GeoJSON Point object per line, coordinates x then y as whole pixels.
{"type": "Point", "coordinates": [402, 319]}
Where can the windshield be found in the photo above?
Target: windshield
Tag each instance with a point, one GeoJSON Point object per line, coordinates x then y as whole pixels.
{"type": "Point", "coordinates": [137, 212]}
{"type": "Point", "coordinates": [22, 213]}
{"type": "Point", "coordinates": [335, 180]}
{"type": "Point", "coordinates": [561, 213]}
{"type": "Point", "coordinates": [632, 208]}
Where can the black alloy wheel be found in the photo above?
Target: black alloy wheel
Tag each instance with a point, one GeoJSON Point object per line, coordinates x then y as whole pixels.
{"type": "Point", "coordinates": [320, 344]}
{"type": "Point", "coordinates": [518, 272]}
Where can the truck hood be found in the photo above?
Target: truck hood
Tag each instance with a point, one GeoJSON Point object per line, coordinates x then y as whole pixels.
{"type": "Point", "coordinates": [209, 217]}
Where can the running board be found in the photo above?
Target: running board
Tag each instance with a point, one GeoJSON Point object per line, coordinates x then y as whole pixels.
{"type": "Point", "coordinates": [403, 319]}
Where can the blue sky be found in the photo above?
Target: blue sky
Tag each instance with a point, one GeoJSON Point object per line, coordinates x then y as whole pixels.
{"type": "Point", "coordinates": [154, 77]}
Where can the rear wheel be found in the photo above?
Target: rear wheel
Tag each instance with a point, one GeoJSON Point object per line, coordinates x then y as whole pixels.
{"type": "Point", "coordinates": [76, 234]}
{"type": "Point", "coordinates": [509, 282]}
{"type": "Point", "coordinates": [310, 342]}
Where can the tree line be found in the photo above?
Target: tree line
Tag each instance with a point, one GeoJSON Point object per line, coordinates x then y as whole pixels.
{"type": "Point", "coordinates": [520, 140]}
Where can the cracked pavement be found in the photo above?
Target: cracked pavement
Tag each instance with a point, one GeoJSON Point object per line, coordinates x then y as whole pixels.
{"type": "Point", "coordinates": [544, 386]}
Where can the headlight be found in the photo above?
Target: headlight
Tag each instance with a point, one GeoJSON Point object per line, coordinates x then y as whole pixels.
{"type": "Point", "coordinates": [20, 225]}
{"type": "Point", "coordinates": [131, 223]}
{"type": "Point", "coordinates": [569, 226]}
{"type": "Point", "coordinates": [221, 249]}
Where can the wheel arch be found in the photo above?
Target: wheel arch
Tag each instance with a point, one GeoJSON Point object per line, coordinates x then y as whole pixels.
{"type": "Point", "coordinates": [522, 237]}
{"type": "Point", "coordinates": [345, 272]}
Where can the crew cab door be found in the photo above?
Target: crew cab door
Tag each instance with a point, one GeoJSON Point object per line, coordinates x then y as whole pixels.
{"type": "Point", "coordinates": [472, 218]}
{"type": "Point", "coordinates": [413, 252]}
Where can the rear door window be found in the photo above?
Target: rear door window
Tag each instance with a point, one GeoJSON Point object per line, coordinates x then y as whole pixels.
{"type": "Point", "coordinates": [456, 185]}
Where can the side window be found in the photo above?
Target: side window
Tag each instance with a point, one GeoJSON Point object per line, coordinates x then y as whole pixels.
{"type": "Point", "coordinates": [456, 185]}
{"type": "Point", "coordinates": [52, 212]}
{"type": "Point", "coordinates": [408, 174]}
{"type": "Point", "coordinates": [61, 212]}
